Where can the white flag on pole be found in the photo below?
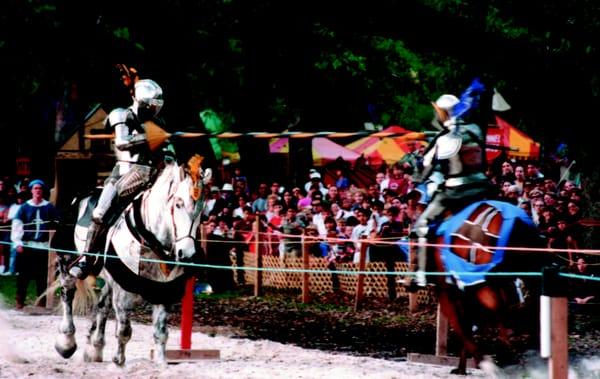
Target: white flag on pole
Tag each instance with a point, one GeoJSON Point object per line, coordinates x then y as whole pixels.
{"type": "Point", "coordinates": [498, 102]}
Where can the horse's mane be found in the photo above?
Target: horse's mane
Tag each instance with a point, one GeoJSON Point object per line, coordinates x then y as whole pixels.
{"type": "Point", "coordinates": [166, 182]}
{"type": "Point", "coordinates": [166, 176]}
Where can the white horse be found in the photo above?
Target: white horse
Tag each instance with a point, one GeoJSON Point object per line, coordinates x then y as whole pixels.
{"type": "Point", "coordinates": [143, 246]}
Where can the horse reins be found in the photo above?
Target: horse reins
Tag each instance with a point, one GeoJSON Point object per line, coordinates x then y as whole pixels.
{"type": "Point", "coordinates": [135, 224]}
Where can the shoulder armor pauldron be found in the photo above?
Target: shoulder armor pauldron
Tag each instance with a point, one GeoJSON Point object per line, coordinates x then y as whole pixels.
{"type": "Point", "coordinates": [448, 145]}
{"type": "Point", "coordinates": [118, 116]}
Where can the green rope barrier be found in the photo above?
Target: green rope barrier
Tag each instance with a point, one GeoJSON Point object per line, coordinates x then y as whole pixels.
{"type": "Point", "coordinates": [292, 270]}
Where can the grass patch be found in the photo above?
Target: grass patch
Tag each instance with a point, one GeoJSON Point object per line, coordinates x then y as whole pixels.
{"type": "Point", "coordinates": [8, 291]}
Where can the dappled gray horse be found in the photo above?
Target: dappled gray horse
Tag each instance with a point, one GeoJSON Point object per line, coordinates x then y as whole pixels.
{"type": "Point", "coordinates": [143, 246]}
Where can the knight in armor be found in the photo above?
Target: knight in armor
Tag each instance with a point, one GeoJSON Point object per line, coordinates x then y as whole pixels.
{"type": "Point", "coordinates": [452, 173]}
{"type": "Point", "coordinates": [135, 167]}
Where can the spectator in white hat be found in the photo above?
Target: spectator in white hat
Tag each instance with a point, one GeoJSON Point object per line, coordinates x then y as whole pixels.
{"type": "Point", "coordinates": [315, 178]}
{"type": "Point", "coordinates": [227, 195]}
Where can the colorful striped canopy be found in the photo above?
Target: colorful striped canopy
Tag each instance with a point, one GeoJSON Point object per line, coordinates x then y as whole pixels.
{"type": "Point", "coordinates": [389, 150]}
{"type": "Point", "coordinates": [279, 145]}
{"type": "Point", "coordinates": [325, 151]}
{"type": "Point", "coordinates": [364, 143]}
{"type": "Point", "coordinates": [519, 145]}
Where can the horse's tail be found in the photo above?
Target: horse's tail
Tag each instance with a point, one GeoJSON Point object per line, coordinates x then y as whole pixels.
{"type": "Point", "coordinates": [83, 301]}
{"type": "Point", "coordinates": [63, 237]}
{"type": "Point", "coordinates": [63, 242]}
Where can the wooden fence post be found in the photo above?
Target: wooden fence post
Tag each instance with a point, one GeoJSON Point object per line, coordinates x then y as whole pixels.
{"type": "Point", "coordinates": [413, 304]}
{"type": "Point", "coordinates": [441, 335]}
{"type": "Point", "coordinates": [360, 280]}
{"type": "Point", "coordinates": [554, 289]}
{"type": "Point", "coordinates": [558, 364]}
{"type": "Point", "coordinates": [305, 274]}
{"type": "Point", "coordinates": [258, 256]}
{"type": "Point", "coordinates": [50, 298]}
{"type": "Point", "coordinates": [203, 238]}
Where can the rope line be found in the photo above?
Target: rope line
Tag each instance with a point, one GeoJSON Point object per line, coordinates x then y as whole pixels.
{"type": "Point", "coordinates": [407, 243]}
{"type": "Point", "coordinates": [313, 271]}
{"type": "Point", "coordinates": [578, 276]}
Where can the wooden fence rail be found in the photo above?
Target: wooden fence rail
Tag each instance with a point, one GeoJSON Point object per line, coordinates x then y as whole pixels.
{"type": "Point", "coordinates": [321, 281]}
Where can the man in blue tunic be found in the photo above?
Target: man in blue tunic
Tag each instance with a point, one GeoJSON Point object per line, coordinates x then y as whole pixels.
{"type": "Point", "coordinates": [30, 235]}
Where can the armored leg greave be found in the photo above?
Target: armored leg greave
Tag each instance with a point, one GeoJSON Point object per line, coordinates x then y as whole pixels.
{"type": "Point", "coordinates": [134, 180]}
{"type": "Point", "coordinates": [104, 202]}
{"type": "Point", "coordinates": [421, 229]}
{"type": "Point", "coordinates": [92, 234]}
{"type": "Point", "coordinates": [82, 268]}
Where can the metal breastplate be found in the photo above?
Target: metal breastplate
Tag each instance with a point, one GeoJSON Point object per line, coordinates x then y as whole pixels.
{"type": "Point", "coordinates": [129, 126]}
{"type": "Point", "coordinates": [462, 155]}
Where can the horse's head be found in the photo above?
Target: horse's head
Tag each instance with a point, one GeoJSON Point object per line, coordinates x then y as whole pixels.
{"type": "Point", "coordinates": [176, 201]}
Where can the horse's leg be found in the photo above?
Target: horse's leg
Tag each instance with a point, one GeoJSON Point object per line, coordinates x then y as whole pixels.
{"type": "Point", "coordinates": [122, 304]}
{"type": "Point", "coordinates": [496, 301]}
{"type": "Point", "coordinates": [161, 331]}
{"type": "Point", "coordinates": [95, 338]}
{"type": "Point", "coordinates": [459, 322]}
{"type": "Point", "coordinates": [65, 342]}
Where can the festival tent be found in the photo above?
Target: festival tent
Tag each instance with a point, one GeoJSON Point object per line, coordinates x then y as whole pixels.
{"type": "Point", "coordinates": [514, 142]}
{"type": "Point", "coordinates": [387, 150]}
{"type": "Point", "coordinates": [279, 145]}
{"type": "Point", "coordinates": [364, 143]}
{"type": "Point", "coordinates": [325, 150]}
{"type": "Point", "coordinates": [378, 149]}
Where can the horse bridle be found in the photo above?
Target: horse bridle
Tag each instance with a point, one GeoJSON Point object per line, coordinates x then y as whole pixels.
{"type": "Point", "coordinates": [137, 228]}
{"type": "Point", "coordinates": [195, 213]}
{"type": "Point", "coordinates": [190, 231]}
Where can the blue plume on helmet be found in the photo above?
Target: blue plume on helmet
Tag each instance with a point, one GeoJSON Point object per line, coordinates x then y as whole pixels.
{"type": "Point", "coordinates": [469, 99]}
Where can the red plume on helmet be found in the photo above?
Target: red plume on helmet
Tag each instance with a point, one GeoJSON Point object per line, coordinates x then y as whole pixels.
{"type": "Point", "coordinates": [129, 76]}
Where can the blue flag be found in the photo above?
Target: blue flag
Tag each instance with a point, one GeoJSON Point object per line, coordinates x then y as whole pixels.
{"type": "Point", "coordinates": [469, 99]}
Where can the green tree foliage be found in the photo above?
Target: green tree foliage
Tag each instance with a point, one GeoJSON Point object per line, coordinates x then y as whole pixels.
{"type": "Point", "coordinates": [315, 65]}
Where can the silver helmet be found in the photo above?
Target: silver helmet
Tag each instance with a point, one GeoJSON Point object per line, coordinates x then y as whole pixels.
{"type": "Point", "coordinates": [148, 98]}
{"type": "Point", "coordinates": [443, 108]}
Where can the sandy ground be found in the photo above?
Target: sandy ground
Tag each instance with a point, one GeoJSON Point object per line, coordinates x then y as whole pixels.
{"type": "Point", "coordinates": [27, 351]}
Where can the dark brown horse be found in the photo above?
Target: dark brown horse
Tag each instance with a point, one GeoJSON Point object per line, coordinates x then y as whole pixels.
{"type": "Point", "coordinates": [484, 295]}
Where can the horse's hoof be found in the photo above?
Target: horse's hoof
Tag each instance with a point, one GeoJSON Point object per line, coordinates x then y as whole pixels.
{"type": "Point", "coordinates": [458, 371]}
{"type": "Point", "coordinates": [488, 366]}
{"type": "Point", "coordinates": [92, 355]}
{"type": "Point", "coordinates": [504, 359]}
{"type": "Point", "coordinates": [119, 361]}
{"type": "Point", "coordinates": [65, 352]}
{"type": "Point", "coordinates": [162, 364]}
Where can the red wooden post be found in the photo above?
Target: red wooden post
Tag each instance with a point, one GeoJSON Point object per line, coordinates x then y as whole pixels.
{"type": "Point", "coordinates": [187, 314]}
{"type": "Point", "coordinates": [186, 354]}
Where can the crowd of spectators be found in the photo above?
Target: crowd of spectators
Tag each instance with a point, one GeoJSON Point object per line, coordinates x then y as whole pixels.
{"type": "Point", "coordinates": [342, 213]}
{"type": "Point", "coordinates": [339, 214]}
